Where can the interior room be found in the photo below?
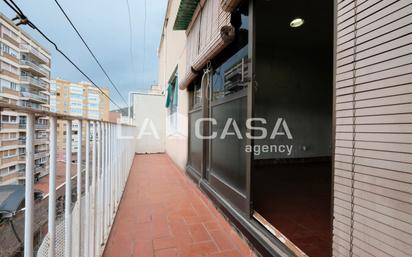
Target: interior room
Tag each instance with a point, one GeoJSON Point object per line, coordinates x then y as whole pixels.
{"type": "Point", "coordinates": [292, 178]}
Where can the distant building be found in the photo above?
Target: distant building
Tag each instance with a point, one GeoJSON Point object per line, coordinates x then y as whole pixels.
{"type": "Point", "coordinates": [76, 99]}
{"type": "Point", "coordinates": [24, 81]}
{"type": "Point", "coordinates": [114, 116]}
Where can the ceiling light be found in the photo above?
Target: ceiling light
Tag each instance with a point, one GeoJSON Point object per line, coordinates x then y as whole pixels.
{"type": "Point", "coordinates": [297, 22]}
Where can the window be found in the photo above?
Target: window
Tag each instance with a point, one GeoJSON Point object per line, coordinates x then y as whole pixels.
{"type": "Point", "coordinates": [195, 95]}
{"type": "Point", "coordinates": [7, 49]}
{"type": "Point", "coordinates": [93, 98]}
{"type": "Point", "coordinates": [93, 106]}
{"type": "Point", "coordinates": [76, 96]}
{"type": "Point", "coordinates": [8, 119]}
{"type": "Point", "coordinates": [171, 104]}
{"type": "Point", "coordinates": [9, 153]}
{"type": "Point", "coordinates": [230, 77]}
{"type": "Point", "coordinates": [10, 68]}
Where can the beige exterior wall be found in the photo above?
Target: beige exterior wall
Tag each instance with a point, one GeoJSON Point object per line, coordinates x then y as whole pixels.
{"type": "Point", "coordinates": [24, 81]}
{"type": "Point", "coordinates": [172, 58]}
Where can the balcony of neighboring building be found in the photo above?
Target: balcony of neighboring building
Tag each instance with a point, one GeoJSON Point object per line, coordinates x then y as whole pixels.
{"type": "Point", "coordinates": [9, 91]}
{"type": "Point", "coordinates": [32, 105]}
{"type": "Point", "coordinates": [35, 82]}
{"type": "Point", "coordinates": [9, 159]}
{"type": "Point", "coordinates": [9, 142]}
{"type": "Point", "coordinates": [34, 68]}
{"type": "Point", "coordinates": [37, 97]}
{"type": "Point", "coordinates": [10, 37]}
{"type": "Point", "coordinates": [9, 73]}
{"type": "Point", "coordinates": [34, 53]}
{"type": "Point", "coordinates": [9, 126]}
{"type": "Point", "coordinates": [10, 57]}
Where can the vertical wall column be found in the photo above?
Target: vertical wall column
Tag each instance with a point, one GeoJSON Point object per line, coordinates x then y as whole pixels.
{"type": "Point", "coordinates": [29, 193]}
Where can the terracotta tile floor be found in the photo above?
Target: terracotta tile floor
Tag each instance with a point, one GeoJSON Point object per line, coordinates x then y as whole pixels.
{"type": "Point", "coordinates": [163, 214]}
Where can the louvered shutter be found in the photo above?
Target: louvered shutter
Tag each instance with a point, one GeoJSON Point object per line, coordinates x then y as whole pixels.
{"type": "Point", "coordinates": [229, 5]}
{"type": "Point", "coordinates": [373, 154]}
{"type": "Point", "coordinates": [205, 38]}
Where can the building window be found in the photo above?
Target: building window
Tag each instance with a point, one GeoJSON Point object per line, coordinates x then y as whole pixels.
{"type": "Point", "coordinates": [171, 104]}
{"type": "Point", "coordinates": [7, 49]}
{"type": "Point", "coordinates": [8, 119]}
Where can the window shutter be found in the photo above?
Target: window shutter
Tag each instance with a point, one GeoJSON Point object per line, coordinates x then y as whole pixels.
{"type": "Point", "coordinates": [373, 153]}
{"type": "Point", "coordinates": [208, 34]}
{"type": "Point", "coordinates": [229, 5]}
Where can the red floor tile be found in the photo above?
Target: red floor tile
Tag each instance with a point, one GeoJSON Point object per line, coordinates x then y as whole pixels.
{"type": "Point", "coordinates": [163, 214]}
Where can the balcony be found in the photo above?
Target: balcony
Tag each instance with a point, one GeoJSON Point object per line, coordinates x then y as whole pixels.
{"type": "Point", "coordinates": [163, 213]}
{"type": "Point", "coordinates": [117, 203]}
{"type": "Point", "coordinates": [32, 105]}
{"type": "Point", "coordinates": [34, 68]}
{"type": "Point", "coordinates": [6, 90]}
{"type": "Point", "coordinates": [39, 98]}
{"type": "Point", "coordinates": [9, 142]}
{"type": "Point", "coordinates": [41, 154]}
{"type": "Point", "coordinates": [35, 82]}
{"type": "Point", "coordinates": [34, 53]}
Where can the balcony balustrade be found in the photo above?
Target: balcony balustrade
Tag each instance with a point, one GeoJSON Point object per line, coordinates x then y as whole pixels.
{"type": "Point", "coordinates": [36, 97]}
{"type": "Point", "coordinates": [34, 52]}
{"type": "Point", "coordinates": [34, 81]}
{"type": "Point", "coordinates": [34, 68]}
{"type": "Point", "coordinates": [103, 161]}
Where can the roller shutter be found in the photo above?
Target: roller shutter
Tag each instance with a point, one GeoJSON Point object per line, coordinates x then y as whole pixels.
{"type": "Point", "coordinates": [208, 33]}
{"type": "Point", "coordinates": [373, 153]}
{"type": "Point", "coordinates": [229, 5]}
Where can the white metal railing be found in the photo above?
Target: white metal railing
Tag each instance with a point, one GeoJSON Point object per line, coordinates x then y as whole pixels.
{"type": "Point", "coordinates": [35, 52]}
{"type": "Point", "coordinates": [34, 81]}
{"type": "Point", "coordinates": [39, 97]}
{"type": "Point", "coordinates": [109, 149]}
{"type": "Point", "coordinates": [36, 67]}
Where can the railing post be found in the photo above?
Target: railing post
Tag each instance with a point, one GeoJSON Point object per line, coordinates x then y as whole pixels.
{"type": "Point", "coordinates": [87, 193]}
{"type": "Point", "coordinates": [103, 182]}
{"type": "Point", "coordinates": [109, 175]}
{"type": "Point", "coordinates": [79, 186]}
{"type": "Point", "coordinates": [68, 195]}
{"type": "Point", "coordinates": [52, 186]}
{"type": "Point", "coordinates": [29, 191]}
{"type": "Point", "coordinates": [93, 223]}
{"type": "Point", "coordinates": [113, 167]}
{"type": "Point", "coordinates": [106, 180]}
{"type": "Point", "coordinates": [98, 188]}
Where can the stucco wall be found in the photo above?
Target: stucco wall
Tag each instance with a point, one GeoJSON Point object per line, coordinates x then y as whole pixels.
{"type": "Point", "coordinates": [172, 58]}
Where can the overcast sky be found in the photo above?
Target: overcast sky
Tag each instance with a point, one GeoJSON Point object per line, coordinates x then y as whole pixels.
{"type": "Point", "coordinates": [104, 25]}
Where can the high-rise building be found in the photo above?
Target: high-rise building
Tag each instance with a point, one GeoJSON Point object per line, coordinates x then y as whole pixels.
{"type": "Point", "coordinates": [76, 99]}
{"type": "Point", "coordinates": [24, 81]}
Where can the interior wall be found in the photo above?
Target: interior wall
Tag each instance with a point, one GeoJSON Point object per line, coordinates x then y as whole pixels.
{"type": "Point", "coordinates": [294, 77]}
{"type": "Point", "coordinates": [297, 89]}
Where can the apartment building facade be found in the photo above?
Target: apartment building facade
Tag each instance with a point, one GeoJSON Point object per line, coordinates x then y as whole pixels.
{"type": "Point", "coordinates": [323, 167]}
{"type": "Point", "coordinates": [76, 99]}
{"type": "Point", "coordinates": [24, 75]}
{"type": "Point", "coordinates": [172, 56]}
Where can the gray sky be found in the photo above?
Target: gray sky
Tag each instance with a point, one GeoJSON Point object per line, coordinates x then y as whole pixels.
{"type": "Point", "coordinates": [104, 24]}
